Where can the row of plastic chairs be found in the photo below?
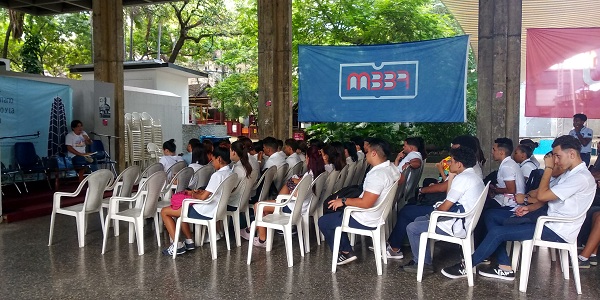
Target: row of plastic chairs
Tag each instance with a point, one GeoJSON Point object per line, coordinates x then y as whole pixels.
{"type": "Point", "coordinates": [140, 130]}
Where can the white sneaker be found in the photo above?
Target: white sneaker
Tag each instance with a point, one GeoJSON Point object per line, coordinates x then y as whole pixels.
{"type": "Point", "coordinates": [391, 254]}
{"type": "Point", "coordinates": [257, 243]}
{"type": "Point", "coordinates": [244, 234]}
{"type": "Point", "coordinates": [207, 237]}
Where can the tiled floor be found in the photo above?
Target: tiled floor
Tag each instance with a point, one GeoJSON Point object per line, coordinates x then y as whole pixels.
{"type": "Point", "coordinates": [32, 270]}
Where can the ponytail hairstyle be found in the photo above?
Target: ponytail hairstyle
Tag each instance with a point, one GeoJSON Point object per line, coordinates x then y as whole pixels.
{"type": "Point", "coordinates": [315, 161]}
{"type": "Point", "coordinates": [170, 145]}
{"type": "Point", "coordinates": [242, 153]}
{"type": "Point", "coordinates": [223, 153]}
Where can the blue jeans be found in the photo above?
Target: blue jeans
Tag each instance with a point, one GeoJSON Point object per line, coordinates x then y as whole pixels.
{"type": "Point", "coordinates": [496, 216]}
{"type": "Point", "coordinates": [79, 161]}
{"type": "Point", "coordinates": [405, 216]}
{"type": "Point", "coordinates": [497, 236]}
{"type": "Point", "coordinates": [586, 157]}
{"type": "Point", "coordinates": [329, 222]}
{"type": "Point", "coordinates": [414, 230]}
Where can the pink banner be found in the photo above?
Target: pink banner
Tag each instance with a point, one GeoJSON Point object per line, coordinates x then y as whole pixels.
{"type": "Point", "coordinates": [563, 72]}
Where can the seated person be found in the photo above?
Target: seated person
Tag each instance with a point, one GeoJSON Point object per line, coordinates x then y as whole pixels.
{"type": "Point", "coordinates": [187, 157]}
{"type": "Point", "coordinates": [332, 159]}
{"type": "Point", "coordinates": [409, 213]}
{"type": "Point", "coordinates": [199, 159]}
{"type": "Point", "coordinates": [169, 158]}
{"type": "Point", "coordinates": [380, 178]}
{"type": "Point", "coordinates": [316, 166]}
{"type": "Point", "coordinates": [204, 211]}
{"type": "Point", "coordinates": [350, 152]}
{"type": "Point", "coordinates": [522, 156]}
{"type": "Point", "coordinates": [290, 148]}
{"type": "Point", "coordinates": [413, 148]}
{"type": "Point", "coordinates": [243, 169]}
{"type": "Point", "coordinates": [76, 142]}
{"type": "Point", "coordinates": [465, 189]}
{"type": "Point", "coordinates": [569, 197]}
{"type": "Point", "coordinates": [533, 145]}
{"type": "Point", "coordinates": [275, 157]}
{"type": "Point", "coordinates": [510, 178]}
{"type": "Point", "coordinates": [588, 256]}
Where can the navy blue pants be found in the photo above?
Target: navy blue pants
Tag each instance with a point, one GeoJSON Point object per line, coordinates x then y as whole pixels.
{"type": "Point", "coordinates": [329, 222]}
{"type": "Point", "coordinates": [405, 216]}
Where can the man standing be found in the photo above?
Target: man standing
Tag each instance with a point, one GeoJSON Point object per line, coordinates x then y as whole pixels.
{"type": "Point", "coordinates": [379, 179]}
{"type": "Point", "coordinates": [465, 188]}
{"type": "Point", "coordinates": [571, 196]}
{"type": "Point", "coordinates": [584, 135]}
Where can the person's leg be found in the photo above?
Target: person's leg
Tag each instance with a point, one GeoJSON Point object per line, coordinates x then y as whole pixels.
{"type": "Point", "coordinates": [586, 227]}
{"type": "Point", "coordinates": [414, 230]}
{"type": "Point", "coordinates": [586, 157]}
{"type": "Point", "coordinates": [405, 216]}
{"type": "Point", "coordinates": [327, 224]}
{"type": "Point", "coordinates": [495, 239]}
{"type": "Point", "coordinates": [591, 246]}
{"type": "Point", "coordinates": [267, 210]}
{"type": "Point", "coordinates": [167, 214]}
{"type": "Point", "coordinates": [496, 216]}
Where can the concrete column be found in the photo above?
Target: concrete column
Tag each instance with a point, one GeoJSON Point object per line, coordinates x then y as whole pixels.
{"type": "Point", "coordinates": [274, 68]}
{"type": "Point", "coordinates": [108, 62]}
{"type": "Point", "coordinates": [498, 72]}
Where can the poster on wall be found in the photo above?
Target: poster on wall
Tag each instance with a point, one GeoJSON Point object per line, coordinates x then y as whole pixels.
{"type": "Point", "coordinates": [422, 81]}
{"type": "Point", "coordinates": [104, 107]}
{"type": "Point", "coordinates": [28, 107]}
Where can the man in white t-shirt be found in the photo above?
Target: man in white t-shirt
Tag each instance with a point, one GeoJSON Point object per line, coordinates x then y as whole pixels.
{"type": "Point", "coordinates": [289, 148]}
{"type": "Point", "coordinates": [76, 141]}
{"type": "Point", "coordinates": [410, 154]}
{"type": "Point", "coordinates": [570, 197]}
{"type": "Point", "coordinates": [584, 135]}
{"type": "Point", "coordinates": [465, 188]}
{"type": "Point", "coordinates": [276, 158]}
{"type": "Point", "coordinates": [510, 179]}
{"type": "Point", "coordinates": [379, 179]}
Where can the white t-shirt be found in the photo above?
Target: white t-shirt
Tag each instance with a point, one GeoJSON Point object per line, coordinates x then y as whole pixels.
{"type": "Point", "coordinates": [379, 179]}
{"type": "Point", "coordinates": [527, 166]}
{"type": "Point", "coordinates": [349, 160]}
{"type": "Point", "coordinates": [575, 190]}
{"type": "Point", "coordinates": [509, 170]}
{"type": "Point", "coordinates": [408, 157]}
{"type": "Point", "coordinates": [587, 133]}
{"type": "Point", "coordinates": [465, 189]}
{"type": "Point", "coordinates": [277, 159]}
{"type": "Point", "coordinates": [238, 169]}
{"type": "Point", "coordinates": [196, 167]}
{"type": "Point", "coordinates": [477, 169]}
{"type": "Point", "coordinates": [167, 161]}
{"type": "Point", "coordinates": [209, 209]}
{"type": "Point", "coordinates": [329, 168]}
{"type": "Point", "coordinates": [75, 141]}
{"type": "Point", "coordinates": [292, 160]}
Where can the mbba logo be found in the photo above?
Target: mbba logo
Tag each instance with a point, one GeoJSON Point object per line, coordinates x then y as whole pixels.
{"type": "Point", "coordinates": [391, 80]}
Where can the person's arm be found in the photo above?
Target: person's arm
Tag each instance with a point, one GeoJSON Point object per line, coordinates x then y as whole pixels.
{"type": "Point", "coordinates": [584, 140]}
{"type": "Point", "coordinates": [415, 163]}
{"type": "Point", "coordinates": [86, 138]}
{"type": "Point", "coordinates": [199, 194]}
{"type": "Point", "coordinates": [399, 158]}
{"type": "Point", "coordinates": [544, 193]}
{"type": "Point", "coordinates": [445, 205]}
{"type": "Point", "coordinates": [511, 188]}
{"type": "Point", "coordinates": [367, 201]}
{"type": "Point", "coordinates": [523, 210]}
{"type": "Point", "coordinates": [441, 187]}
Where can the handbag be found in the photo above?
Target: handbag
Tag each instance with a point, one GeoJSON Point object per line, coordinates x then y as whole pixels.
{"type": "Point", "coordinates": [352, 191]}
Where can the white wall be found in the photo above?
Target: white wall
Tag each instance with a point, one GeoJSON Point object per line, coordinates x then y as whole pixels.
{"type": "Point", "coordinates": [164, 106]}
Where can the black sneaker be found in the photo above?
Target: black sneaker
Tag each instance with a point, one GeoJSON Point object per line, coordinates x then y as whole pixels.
{"type": "Point", "coordinates": [456, 271]}
{"type": "Point", "coordinates": [169, 251]}
{"type": "Point", "coordinates": [189, 246]}
{"type": "Point", "coordinates": [412, 267]}
{"type": "Point", "coordinates": [496, 272]}
{"type": "Point", "coordinates": [593, 260]}
{"type": "Point", "coordinates": [345, 258]}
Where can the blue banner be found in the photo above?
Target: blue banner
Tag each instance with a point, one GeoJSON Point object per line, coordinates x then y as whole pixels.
{"type": "Point", "coordinates": [409, 82]}
{"type": "Point", "coordinates": [28, 107]}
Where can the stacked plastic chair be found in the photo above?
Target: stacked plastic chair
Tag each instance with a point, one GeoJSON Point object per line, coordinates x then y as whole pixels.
{"type": "Point", "coordinates": [146, 126]}
{"type": "Point", "coordinates": [157, 136]}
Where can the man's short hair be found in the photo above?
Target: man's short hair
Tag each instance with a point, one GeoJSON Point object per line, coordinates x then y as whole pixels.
{"type": "Point", "coordinates": [464, 155]}
{"type": "Point", "coordinates": [465, 141]}
{"type": "Point", "coordinates": [292, 143]}
{"type": "Point", "coordinates": [74, 123]}
{"type": "Point", "coordinates": [506, 144]}
{"type": "Point", "coordinates": [581, 117]}
{"type": "Point", "coordinates": [567, 142]}
{"type": "Point", "coordinates": [381, 147]}
{"type": "Point", "coordinates": [270, 142]}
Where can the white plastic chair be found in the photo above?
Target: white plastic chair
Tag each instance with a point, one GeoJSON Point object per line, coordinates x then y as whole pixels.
{"type": "Point", "coordinates": [242, 196]}
{"type": "Point", "coordinates": [282, 222]}
{"type": "Point", "coordinates": [315, 209]}
{"type": "Point", "coordinates": [202, 176]}
{"type": "Point", "coordinates": [97, 183]}
{"type": "Point", "coordinates": [351, 174]}
{"type": "Point", "coordinates": [175, 168]}
{"type": "Point", "coordinates": [151, 169]}
{"type": "Point", "coordinates": [378, 234]}
{"type": "Point", "coordinates": [566, 250]}
{"type": "Point", "coordinates": [280, 176]}
{"type": "Point", "coordinates": [225, 187]}
{"type": "Point", "coordinates": [339, 182]}
{"type": "Point", "coordinates": [295, 170]}
{"type": "Point", "coordinates": [122, 187]}
{"type": "Point", "coordinates": [154, 153]}
{"type": "Point", "coordinates": [466, 243]}
{"type": "Point", "coordinates": [266, 179]}
{"type": "Point", "coordinates": [145, 206]}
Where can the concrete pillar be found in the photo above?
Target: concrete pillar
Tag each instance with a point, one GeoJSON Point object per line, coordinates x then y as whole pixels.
{"type": "Point", "coordinates": [498, 72]}
{"type": "Point", "coordinates": [108, 62]}
{"type": "Point", "coordinates": [274, 68]}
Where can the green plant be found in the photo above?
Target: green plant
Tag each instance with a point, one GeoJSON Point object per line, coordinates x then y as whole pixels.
{"type": "Point", "coordinates": [392, 132]}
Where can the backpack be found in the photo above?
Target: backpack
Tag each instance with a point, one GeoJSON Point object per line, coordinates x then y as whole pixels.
{"type": "Point", "coordinates": [533, 182]}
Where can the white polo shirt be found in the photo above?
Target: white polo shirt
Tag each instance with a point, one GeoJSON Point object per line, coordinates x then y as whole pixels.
{"type": "Point", "coordinates": [527, 166]}
{"type": "Point", "coordinates": [509, 170]}
{"type": "Point", "coordinates": [408, 157]}
{"type": "Point", "coordinates": [277, 159]}
{"type": "Point", "coordinates": [209, 209]}
{"type": "Point", "coordinates": [575, 190]}
{"type": "Point", "coordinates": [379, 179]}
{"type": "Point", "coordinates": [587, 133]}
{"type": "Point", "coordinates": [293, 159]}
{"type": "Point", "coordinates": [465, 189]}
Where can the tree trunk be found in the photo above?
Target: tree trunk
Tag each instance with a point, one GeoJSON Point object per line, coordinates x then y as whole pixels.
{"type": "Point", "coordinates": [6, 39]}
{"type": "Point", "coordinates": [177, 48]}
